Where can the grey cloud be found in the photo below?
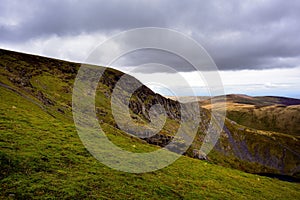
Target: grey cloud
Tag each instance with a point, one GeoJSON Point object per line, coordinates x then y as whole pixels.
{"type": "Point", "coordinates": [139, 59]}
{"type": "Point", "coordinates": [237, 34]}
{"type": "Point", "coordinates": [40, 18]}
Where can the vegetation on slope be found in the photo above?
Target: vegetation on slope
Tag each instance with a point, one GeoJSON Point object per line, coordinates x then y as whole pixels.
{"type": "Point", "coordinates": [279, 114]}
{"type": "Point", "coordinates": [43, 157]}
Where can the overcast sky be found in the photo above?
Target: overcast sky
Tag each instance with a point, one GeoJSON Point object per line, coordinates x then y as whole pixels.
{"type": "Point", "coordinates": [255, 44]}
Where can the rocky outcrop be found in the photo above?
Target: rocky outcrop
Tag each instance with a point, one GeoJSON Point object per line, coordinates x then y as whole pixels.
{"type": "Point", "coordinates": [143, 98]}
{"type": "Point", "coordinates": [275, 152]}
{"type": "Point", "coordinates": [199, 154]}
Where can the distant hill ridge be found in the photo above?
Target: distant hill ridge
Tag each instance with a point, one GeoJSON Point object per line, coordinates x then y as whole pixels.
{"type": "Point", "coordinates": [242, 98]}
{"type": "Point", "coordinates": [258, 100]}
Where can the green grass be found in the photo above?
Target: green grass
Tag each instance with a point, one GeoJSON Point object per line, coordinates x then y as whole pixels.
{"type": "Point", "coordinates": [42, 156]}
{"type": "Point", "coordinates": [269, 118]}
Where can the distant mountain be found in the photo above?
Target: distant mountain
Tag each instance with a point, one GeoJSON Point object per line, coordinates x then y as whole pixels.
{"type": "Point", "coordinates": [256, 101]}
{"type": "Point", "coordinates": [184, 99]}
{"type": "Point", "coordinates": [41, 155]}
{"type": "Point", "coordinates": [280, 114]}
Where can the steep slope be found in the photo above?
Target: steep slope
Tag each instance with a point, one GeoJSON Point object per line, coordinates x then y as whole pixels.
{"type": "Point", "coordinates": [42, 155]}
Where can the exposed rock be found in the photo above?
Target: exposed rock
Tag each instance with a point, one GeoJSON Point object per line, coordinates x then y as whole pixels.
{"type": "Point", "coordinates": [45, 100]}
{"type": "Point", "coordinates": [159, 139]}
{"type": "Point", "coordinates": [60, 110]}
{"type": "Point", "coordinates": [199, 154]}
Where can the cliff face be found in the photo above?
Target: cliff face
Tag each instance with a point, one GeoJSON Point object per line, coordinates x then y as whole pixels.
{"type": "Point", "coordinates": [49, 83]}
{"type": "Point", "coordinates": [274, 152]}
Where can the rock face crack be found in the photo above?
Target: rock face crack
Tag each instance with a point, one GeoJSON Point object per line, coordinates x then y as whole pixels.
{"type": "Point", "coordinates": [233, 144]}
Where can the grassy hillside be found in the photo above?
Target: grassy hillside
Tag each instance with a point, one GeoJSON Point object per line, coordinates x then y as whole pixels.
{"type": "Point", "coordinates": [42, 156]}
{"type": "Point", "coordinates": [277, 114]}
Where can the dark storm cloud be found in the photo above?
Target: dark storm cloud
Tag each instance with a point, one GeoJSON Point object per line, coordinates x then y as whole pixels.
{"type": "Point", "coordinates": [237, 34]}
{"type": "Point", "coordinates": [38, 18]}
